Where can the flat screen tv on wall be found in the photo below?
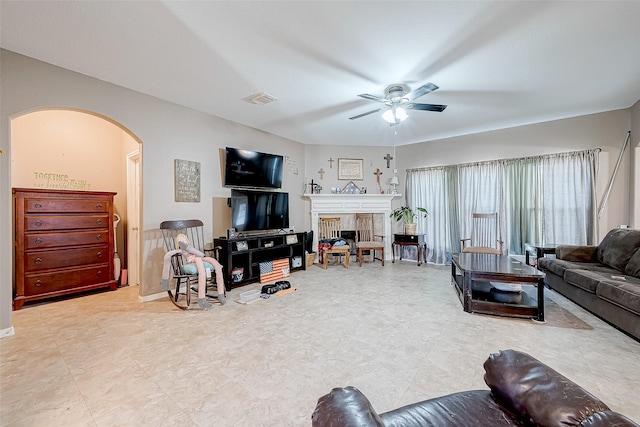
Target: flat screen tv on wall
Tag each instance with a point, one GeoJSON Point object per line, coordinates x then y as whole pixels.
{"type": "Point", "coordinates": [259, 210]}
{"type": "Point", "coordinates": [252, 169]}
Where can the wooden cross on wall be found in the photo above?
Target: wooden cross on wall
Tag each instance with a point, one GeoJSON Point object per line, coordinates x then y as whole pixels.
{"type": "Point", "coordinates": [377, 173]}
{"type": "Point", "coordinates": [321, 172]}
{"type": "Point", "coordinates": [388, 158]}
{"type": "Point", "coordinates": [331, 162]}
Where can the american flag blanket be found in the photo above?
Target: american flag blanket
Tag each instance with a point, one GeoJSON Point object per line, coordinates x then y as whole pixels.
{"type": "Point", "coordinates": [271, 271]}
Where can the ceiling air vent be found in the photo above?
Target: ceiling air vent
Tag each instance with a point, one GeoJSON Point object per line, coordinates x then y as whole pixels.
{"type": "Point", "coordinates": [260, 98]}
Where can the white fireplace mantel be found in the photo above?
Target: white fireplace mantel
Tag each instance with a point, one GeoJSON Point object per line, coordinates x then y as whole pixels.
{"type": "Point", "coordinates": [322, 204]}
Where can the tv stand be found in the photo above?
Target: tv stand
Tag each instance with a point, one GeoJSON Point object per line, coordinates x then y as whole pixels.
{"type": "Point", "coordinates": [247, 251]}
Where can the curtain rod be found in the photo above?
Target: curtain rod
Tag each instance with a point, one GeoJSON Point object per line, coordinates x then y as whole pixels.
{"type": "Point", "coordinates": [485, 162]}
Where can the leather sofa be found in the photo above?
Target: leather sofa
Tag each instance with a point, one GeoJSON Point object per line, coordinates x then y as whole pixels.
{"type": "Point", "coordinates": [523, 392]}
{"type": "Point", "coordinates": [604, 279]}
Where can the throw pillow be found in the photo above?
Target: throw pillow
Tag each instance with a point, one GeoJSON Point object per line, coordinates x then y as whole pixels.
{"type": "Point", "coordinates": [633, 266]}
{"type": "Point", "coordinates": [617, 247]}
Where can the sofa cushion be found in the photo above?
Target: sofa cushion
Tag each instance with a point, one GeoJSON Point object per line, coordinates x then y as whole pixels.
{"type": "Point", "coordinates": [584, 279]}
{"type": "Point", "coordinates": [560, 267]}
{"type": "Point", "coordinates": [625, 293]}
{"type": "Point", "coordinates": [475, 408]}
{"type": "Point", "coordinates": [576, 253]}
{"type": "Point", "coordinates": [538, 392]}
{"type": "Point", "coordinates": [633, 266]}
{"type": "Point", "coordinates": [617, 247]}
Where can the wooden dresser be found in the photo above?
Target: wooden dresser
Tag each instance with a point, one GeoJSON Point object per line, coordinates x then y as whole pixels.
{"type": "Point", "coordinates": [63, 243]}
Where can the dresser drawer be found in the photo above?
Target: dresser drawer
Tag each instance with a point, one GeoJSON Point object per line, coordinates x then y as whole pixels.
{"type": "Point", "coordinates": [52, 240]}
{"type": "Point", "coordinates": [35, 284]}
{"type": "Point", "coordinates": [69, 222]}
{"type": "Point", "coordinates": [47, 205]}
{"type": "Point", "coordinates": [61, 258]}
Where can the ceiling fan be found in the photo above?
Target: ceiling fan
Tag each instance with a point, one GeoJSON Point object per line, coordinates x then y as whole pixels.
{"type": "Point", "coordinates": [398, 99]}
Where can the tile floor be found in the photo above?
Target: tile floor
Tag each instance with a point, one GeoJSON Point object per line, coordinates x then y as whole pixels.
{"type": "Point", "coordinates": [396, 332]}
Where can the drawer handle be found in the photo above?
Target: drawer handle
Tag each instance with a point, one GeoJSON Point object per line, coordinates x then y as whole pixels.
{"type": "Point", "coordinates": [99, 221]}
{"type": "Point", "coordinates": [99, 254]}
{"type": "Point", "coordinates": [99, 237]}
{"type": "Point", "coordinates": [38, 205]}
{"type": "Point", "coordinates": [38, 223]}
{"type": "Point", "coordinates": [38, 241]}
{"type": "Point", "coordinates": [99, 206]}
{"type": "Point", "coordinates": [38, 282]}
{"type": "Point", "coordinates": [99, 273]}
{"type": "Point", "coordinates": [38, 261]}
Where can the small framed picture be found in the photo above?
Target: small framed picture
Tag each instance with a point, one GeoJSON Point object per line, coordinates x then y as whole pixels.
{"type": "Point", "coordinates": [242, 245]}
{"type": "Point", "coordinates": [291, 239]}
{"type": "Point", "coordinates": [351, 169]}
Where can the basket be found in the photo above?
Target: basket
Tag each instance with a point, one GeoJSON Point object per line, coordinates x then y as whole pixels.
{"type": "Point", "coordinates": [311, 258]}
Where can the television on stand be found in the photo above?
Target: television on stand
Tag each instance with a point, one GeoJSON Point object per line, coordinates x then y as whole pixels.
{"type": "Point", "coordinates": [254, 211]}
{"type": "Point", "coordinates": [252, 169]}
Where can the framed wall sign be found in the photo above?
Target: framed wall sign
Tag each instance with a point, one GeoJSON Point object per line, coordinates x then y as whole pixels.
{"type": "Point", "coordinates": [351, 169]}
{"type": "Point", "coordinates": [187, 181]}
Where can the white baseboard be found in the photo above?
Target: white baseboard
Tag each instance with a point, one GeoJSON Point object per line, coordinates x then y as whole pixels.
{"type": "Point", "coordinates": [7, 332]}
{"type": "Point", "coordinates": [152, 297]}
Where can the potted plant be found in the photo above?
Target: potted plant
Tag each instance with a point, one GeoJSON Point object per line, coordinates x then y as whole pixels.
{"type": "Point", "coordinates": [409, 217]}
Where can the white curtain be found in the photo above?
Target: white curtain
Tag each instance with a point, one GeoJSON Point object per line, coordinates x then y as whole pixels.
{"type": "Point", "coordinates": [481, 190]}
{"type": "Point", "coordinates": [569, 198]}
{"type": "Point", "coordinates": [546, 199]}
{"type": "Point", "coordinates": [428, 189]}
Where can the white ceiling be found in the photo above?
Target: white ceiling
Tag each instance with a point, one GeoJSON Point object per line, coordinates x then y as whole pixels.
{"type": "Point", "coordinates": [498, 64]}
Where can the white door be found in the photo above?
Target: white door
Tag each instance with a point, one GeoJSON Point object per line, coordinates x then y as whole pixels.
{"type": "Point", "coordinates": [133, 217]}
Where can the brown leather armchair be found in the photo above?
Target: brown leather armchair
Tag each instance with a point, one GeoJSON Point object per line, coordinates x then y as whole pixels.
{"type": "Point", "coordinates": [523, 392]}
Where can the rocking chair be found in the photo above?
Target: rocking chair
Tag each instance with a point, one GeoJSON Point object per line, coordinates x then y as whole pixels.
{"type": "Point", "coordinates": [184, 273]}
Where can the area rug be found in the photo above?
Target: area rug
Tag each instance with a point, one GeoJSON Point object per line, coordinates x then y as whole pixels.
{"type": "Point", "coordinates": [560, 317]}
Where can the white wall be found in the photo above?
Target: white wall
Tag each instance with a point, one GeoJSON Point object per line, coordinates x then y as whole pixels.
{"type": "Point", "coordinates": [606, 131]}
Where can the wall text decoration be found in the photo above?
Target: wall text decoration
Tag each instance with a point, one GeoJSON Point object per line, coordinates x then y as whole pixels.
{"type": "Point", "coordinates": [187, 181]}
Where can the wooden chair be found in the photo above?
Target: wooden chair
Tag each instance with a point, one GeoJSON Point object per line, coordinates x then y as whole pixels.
{"type": "Point", "coordinates": [485, 238]}
{"type": "Point", "coordinates": [330, 229]}
{"type": "Point", "coordinates": [185, 274]}
{"type": "Point", "coordinates": [365, 238]}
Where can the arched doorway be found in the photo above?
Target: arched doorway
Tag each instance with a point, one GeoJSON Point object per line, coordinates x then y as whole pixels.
{"type": "Point", "coordinates": [80, 150]}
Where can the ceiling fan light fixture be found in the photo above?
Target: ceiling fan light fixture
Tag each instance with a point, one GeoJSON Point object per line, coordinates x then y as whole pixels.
{"type": "Point", "coordinates": [394, 115]}
{"type": "Point", "coordinates": [401, 114]}
{"type": "Point", "coordinates": [389, 116]}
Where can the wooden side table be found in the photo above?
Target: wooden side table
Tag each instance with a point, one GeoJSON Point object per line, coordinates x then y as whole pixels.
{"type": "Point", "coordinates": [416, 240]}
{"type": "Point", "coordinates": [539, 249]}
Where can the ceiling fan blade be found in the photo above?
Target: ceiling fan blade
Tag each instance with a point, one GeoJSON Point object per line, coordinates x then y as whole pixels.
{"type": "Point", "coordinates": [364, 114]}
{"type": "Point", "coordinates": [372, 97]}
{"type": "Point", "coordinates": [422, 90]}
{"type": "Point", "coordinates": [426, 107]}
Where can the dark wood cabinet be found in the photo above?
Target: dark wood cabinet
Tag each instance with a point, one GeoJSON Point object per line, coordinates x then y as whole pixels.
{"type": "Point", "coordinates": [248, 252]}
{"type": "Point", "coordinates": [63, 243]}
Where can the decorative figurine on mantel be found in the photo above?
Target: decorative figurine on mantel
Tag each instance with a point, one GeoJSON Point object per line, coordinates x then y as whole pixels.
{"type": "Point", "coordinates": [315, 188]}
{"type": "Point", "coordinates": [350, 188]}
{"type": "Point", "coordinates": [377, 173]}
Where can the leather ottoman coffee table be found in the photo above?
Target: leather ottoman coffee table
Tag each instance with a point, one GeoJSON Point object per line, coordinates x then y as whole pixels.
{"type": "Point", "coordinates": [475, 277]}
